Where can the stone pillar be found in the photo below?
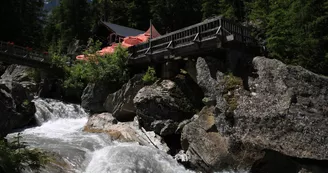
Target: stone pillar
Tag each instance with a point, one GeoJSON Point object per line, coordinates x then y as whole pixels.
{"type": "Point", "coordinates": [234, 57]}
{"type": "Point", "coordinates": [191, 69]}
{"type": "Point", "coordinates": [169, 69]}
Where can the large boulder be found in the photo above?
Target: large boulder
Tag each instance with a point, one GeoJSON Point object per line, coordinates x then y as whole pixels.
{"type": "Point", "coordinates": [17, 73]}
{"type": "Point", "coordinates": [283, 110]}
{"type": "Point", "coordinates": [120, 103]}
{"type": "Point", "coordinates": [95, 94]}
{"type": "Point", "coordinates": [163, 105]}
{"type": "Point", "coordinates": [16, 94]}
{"type": "Point", "coordinates": [206, 148]}
{"type": "Point", "coordinates": [124, 132]}
{"type": "Point", "coordinates": [3, 68]}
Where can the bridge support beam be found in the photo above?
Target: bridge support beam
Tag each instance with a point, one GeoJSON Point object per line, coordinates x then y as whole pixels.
{"type": "Point", "coordinates": [234, 58]}
{"type": "Point", "coordinates": [169, 69]}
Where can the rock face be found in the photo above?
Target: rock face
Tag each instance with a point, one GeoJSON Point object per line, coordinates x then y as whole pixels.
{"type": "Point", "coordinates": [206, 148]}
{"type": "Point", "coordinates": [3, 68]}
{"type": "Point", "coordinates": [16, 95]}
{"type": "Point", "coordinates": [94, 96]}
{"type": "Point", "coordinates": [163, 105]}
{"type": "Point", "coordinates": [120, 103]}
{"type": "Point", "coordinates": [283, 111]}
{"type": "Point", "coordinates": [124, 132]}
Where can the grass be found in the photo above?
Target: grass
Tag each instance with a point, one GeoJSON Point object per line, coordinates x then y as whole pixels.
{"type": "Point", "coordinates": [231, 83]}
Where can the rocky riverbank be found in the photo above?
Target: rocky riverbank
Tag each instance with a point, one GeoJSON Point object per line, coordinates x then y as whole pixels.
{"type": "Point", "coordinates": [270, 119]}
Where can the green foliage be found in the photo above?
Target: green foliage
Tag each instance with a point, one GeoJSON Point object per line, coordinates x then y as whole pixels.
{"type": "Point", "coordinates": [295, 32]}
{"type": "Point", "coordinates": [232, 9]}
{"type": "Point", "coordinates": [150, 76]}
{"type": "Point", "coordinates": [110, 68]}
{"type": "Point", "coordinates": [182, 71]}
{"type": "Point", "coordinates": [21, 22]}
{"type": "Point", "coordinates": [16, 157]}
{"type": "Point", "coordinates": [70, 20]}
{"type": "Point", "coordinates": [26, 103]}
{"type": "Point", "coordinates": [231, 83]}
{"type": "Point", "coordinates": [34, 74]}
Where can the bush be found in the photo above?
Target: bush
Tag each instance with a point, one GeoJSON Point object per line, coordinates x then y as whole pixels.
{"type": "Point", "coordinates": [231, 83]}
{"type": "Point", "coordinates": [110, 68]}
{"type": "Point", "coordinates": [150, 76]}
{"type": "Point", "coordinates": [15, 157]}
{"type": "Point", "coordinates": [34, 74]}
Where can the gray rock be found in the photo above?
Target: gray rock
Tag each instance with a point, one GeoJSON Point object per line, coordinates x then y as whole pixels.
{"type": "Point", "coordinates": [120, 103]}
{"type": "Point", "coordinates": [123, 131]}
{"type": "Point", "coordinates": [101, 121]}
{"type": "Point", "coordinates": [165, 100]}
{"type": "Point", "coordinates": [17, 73]}
{"type": "Point", "coordinates": [16, 106]}
{"type": "Point", "coordinates": [285, 110]}
{"type": "Point", "coordinates": [205, 80]}
{"type": "Point", "coordinates": [17, 91]}
{"type": "Point", "coordinates": [164, 127]}
{"type": "Point", "coordinates": [3, 68]}
{"type": "Point", "coordinates": [94, 96]}
{"type": "Point", "coordinates": [206, 148]}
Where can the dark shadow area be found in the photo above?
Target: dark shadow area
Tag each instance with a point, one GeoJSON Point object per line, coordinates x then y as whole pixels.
{"type": "Point", "coordinates": [275, 162]}
{"type": "Point", "coordinates": [173, 142]}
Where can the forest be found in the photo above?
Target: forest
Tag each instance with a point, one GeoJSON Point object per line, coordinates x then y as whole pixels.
{"type": "Point", "coordinates": [293, 31]}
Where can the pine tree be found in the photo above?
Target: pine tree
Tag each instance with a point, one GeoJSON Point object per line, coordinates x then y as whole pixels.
{"type": "Point", "coordinates": [69, 21]}
{"type": "Point", "coordinates": [21, 21]}
{"type": "Point", "coordinates": [170, 15]}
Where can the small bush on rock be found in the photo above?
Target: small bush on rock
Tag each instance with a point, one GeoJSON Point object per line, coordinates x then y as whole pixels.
{"type": "Point", "coordinates": [150, 76]}
{"type": "Point", "coordinates": [16, 157]}
{"type": "Point", "coordinates": [231, 83]}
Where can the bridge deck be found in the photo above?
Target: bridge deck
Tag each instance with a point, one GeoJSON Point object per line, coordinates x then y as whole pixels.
{"type": "Point", "coordinates": [14, 54]}
{"type": "Point", "coordinates": [205, 36]}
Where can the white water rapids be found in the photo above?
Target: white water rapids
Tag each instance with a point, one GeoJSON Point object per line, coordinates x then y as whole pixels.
{"type": "Point", "coordinates": [60, 132]}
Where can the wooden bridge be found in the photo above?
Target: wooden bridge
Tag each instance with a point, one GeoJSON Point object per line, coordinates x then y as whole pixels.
{"type": "Point", "coordinates": [13, 54]}
{"type": "Point", "coordinates": [211, 34]}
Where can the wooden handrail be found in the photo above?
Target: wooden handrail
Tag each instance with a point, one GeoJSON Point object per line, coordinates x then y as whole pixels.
{"type": "Point", "coordinates": [23, 52]}
{"type": "Point", "coordinates": [205, 29]}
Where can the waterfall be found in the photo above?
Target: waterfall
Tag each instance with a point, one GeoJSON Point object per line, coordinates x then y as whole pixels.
{"type": "Point", "coordinates": [49, 109]}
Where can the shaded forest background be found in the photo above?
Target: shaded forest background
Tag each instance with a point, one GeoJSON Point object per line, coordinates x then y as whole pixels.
{"type": "Point", "coordinates": [294, 31]}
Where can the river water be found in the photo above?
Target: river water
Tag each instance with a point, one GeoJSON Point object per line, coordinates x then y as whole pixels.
{"type": "Point", "coordinates": [60, 131]}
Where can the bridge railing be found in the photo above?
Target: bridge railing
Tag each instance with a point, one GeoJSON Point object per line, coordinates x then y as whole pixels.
{"type": "Point", "coordinates": [208, 29]}
{"type": "Point", "coordinates": [22, 52]}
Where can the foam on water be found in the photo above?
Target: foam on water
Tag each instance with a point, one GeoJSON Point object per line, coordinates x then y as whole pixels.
{"type": "Point", "coordinates": [132, 158]}
{"type": "Point", "coordinates": [61, 131]}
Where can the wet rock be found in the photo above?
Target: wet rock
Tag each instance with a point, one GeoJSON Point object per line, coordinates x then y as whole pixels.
{"type": "Point", "coordinates": [120, 103]}
{"type": "Point", "coordinates": [95, 94]}
{"type": "Point", "coordinates": [16, 94]}
{"type": "Point", "coordinates": [123, 131]}
{"type": "Point", "coordinates": [17, 73]}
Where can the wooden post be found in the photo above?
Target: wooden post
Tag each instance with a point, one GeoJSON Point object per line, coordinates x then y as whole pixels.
{"type": "Point", "coordinates": [151, 36]}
